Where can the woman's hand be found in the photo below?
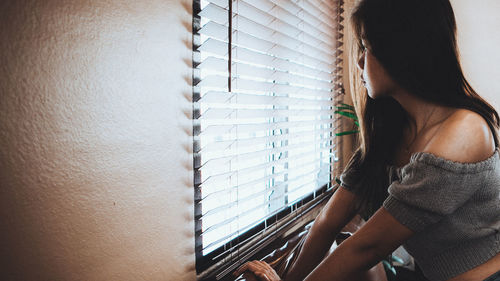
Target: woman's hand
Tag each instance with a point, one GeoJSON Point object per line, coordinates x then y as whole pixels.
{"type": "Point", "coordinates": [261, 269]}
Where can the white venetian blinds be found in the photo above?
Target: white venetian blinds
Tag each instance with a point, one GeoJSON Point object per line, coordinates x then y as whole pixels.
{"type": "Point", "coordinates": [266, 78]}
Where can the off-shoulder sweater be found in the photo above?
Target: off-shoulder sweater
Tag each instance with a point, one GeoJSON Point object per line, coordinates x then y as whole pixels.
{"type": "Point", "coordinates": [453, 209]}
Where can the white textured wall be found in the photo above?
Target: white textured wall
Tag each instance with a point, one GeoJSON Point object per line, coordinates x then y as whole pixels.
{"type": "Point", "coordinates": [478, 24]}
{"type": "Point", "coordinates": [95, 168]}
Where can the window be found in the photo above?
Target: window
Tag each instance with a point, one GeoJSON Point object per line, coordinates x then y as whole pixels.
{"type": "Point", "coordinates": [266, 78]}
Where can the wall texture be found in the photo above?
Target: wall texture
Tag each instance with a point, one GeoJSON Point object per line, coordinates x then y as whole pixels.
{"type": "Point", "coordinates": [478, 27]}
{"type": "Point", "coordinates": [95, 161]}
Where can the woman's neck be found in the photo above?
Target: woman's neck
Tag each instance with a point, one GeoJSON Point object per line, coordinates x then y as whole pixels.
{"type": "Point", "coordinates": [421, 114]}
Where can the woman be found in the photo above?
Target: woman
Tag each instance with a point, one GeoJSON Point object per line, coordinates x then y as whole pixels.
{"type": "Point", "coordinates": [427, 171]}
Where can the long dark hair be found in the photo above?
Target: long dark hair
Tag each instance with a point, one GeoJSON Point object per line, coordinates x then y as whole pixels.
{"type": "Point", "coordinates": [415, 41]}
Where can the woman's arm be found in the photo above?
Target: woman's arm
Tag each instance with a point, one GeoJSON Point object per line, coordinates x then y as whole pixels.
{"type": "Point", "coordinates": [335, 215]}
{"type": "Point", "coordinates": [379, 237]}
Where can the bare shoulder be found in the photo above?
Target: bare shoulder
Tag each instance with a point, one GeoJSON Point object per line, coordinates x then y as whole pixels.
{"type": "Point", "coordinates": [463, 137]}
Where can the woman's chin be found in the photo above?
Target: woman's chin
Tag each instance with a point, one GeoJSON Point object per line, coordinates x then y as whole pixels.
{"type": "Point", "coordinates": [375, 95]}
{"type": "Point", "coordinates": [371, 94]}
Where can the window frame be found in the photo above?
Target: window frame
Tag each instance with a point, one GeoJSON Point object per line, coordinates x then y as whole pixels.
{"type": "Point", "coordinates": [215, 264]}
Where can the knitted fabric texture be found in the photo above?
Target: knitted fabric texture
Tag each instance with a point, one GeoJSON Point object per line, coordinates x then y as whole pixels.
{"type": "Point", "coordinates": [453, 209]}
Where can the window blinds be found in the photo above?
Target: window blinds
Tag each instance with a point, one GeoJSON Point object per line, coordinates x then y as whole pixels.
{"type": "Point", "coordinates": [267, 74]}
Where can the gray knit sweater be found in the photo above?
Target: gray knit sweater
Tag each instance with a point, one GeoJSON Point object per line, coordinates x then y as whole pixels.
{"type": "Point", "coordinates": [453, 208]}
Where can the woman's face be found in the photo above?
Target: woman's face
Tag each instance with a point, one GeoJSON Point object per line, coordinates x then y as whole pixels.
{"type": "Point", "coordinates": [376, 80]}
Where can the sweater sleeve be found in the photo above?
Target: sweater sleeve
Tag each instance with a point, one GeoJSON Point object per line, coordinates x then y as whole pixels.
{"type": "Point", "coordinates": [349, 180]}
{"type": "Point", "coordinates": [429, 191]}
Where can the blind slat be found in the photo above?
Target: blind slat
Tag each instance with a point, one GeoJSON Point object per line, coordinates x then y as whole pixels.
{"type": "Point", "coordinates": [271, 15]}
{"type": "Point", "coordinates": [219, 48]}
{"type": "Point", "coordinates": [249, 187]}
{"type": "Point", "coordinates": [284, 22]}
{"type": "Point", "coordinates": [239, 148]}
{"type": "Point", "coordinates": [291, 14]}
{"type": "Point", "coordinates": [248, 212]}
{"type": "Point", "coordinates": [256, 194]}
{"type": "Point", "coordinates": [224, 113]}
{"type": "Point", "coordinates": [226, 166]}
{"type": "Point", "coordinates": [296, 39]}
{"type": "Point", "coordinates": [294, 52]}
{"type": "Point", "coordinates": [265, 26]}
{"type": "Point", "coordinates": [216, 164]}
{"type": "Point", "coordinates": [304, 15]}
{"type": "Point", "coordinates": [241, 128]}
{"type": "Point", "coordinates": [217, 147]}
{"type": "Point", "coordinates": [214, 97]}
{"type": "Point", "coordinates": [258, 72]}
{"type": "Point", "coordinates": [243, 84]}
{"type": "Point", "coordinates": [327, 7]}
{"type": "Point", "coordinates": [261, 165]}
{"type": "Point", "coordinates": [215, 188]}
